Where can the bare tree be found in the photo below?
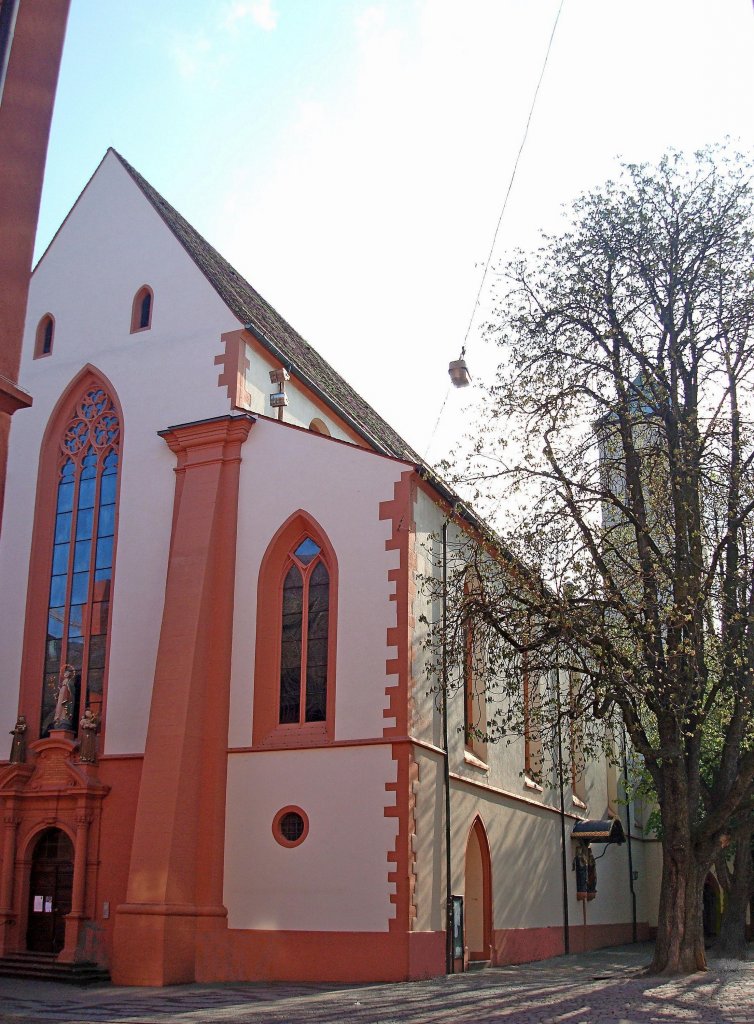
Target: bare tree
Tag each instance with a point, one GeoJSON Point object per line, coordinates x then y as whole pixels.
{"type": "Point", "coordinates": [619, 435]}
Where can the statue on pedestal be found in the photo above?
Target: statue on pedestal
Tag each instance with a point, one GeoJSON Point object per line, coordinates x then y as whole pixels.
{"type": "Point", "coordinates": [18, 746]}
{"type": "Point", "coordinates": [586, 872]}
{"type": "Point", "coordinates": [89, 726]}
{"type": "Point", "coordinates": [66, 699]}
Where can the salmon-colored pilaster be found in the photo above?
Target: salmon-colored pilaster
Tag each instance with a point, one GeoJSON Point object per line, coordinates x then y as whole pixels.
{"type": "Point", "coordinates": [176, 873]}
{"type": "Point", "coordinates": [7, 916]}
{"type": "Point", "coordinates": [77, 914]}
{"type": "Point", "coordinates": [26, 102]}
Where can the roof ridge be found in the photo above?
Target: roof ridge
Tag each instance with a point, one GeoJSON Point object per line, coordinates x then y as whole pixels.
{"type": "Point", "coordinates": [272, 330]}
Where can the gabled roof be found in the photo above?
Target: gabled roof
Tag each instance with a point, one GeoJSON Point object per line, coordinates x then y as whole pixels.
{"type": "Point", "coordinates": [274, 333]}
{"type": "Point", "coordinates": [303, 362]}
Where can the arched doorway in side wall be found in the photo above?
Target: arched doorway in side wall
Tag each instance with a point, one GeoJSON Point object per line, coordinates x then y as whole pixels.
{"type": "Point", "coordinates": [50, 889]}
{"type": "Point", "coordinates": [477, 901]}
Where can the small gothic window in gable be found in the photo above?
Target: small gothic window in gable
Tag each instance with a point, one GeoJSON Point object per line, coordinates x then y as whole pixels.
{"type": "Point", "coordinates": [141, 312]}
{"type": "Point", "coordinates": [44, 337]}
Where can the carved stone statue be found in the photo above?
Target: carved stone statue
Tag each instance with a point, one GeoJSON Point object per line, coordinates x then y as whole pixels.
{"type": "Point", "coordinates": [18, 746]}
{"type": "Point", "coordinates": [66, 698]}
{"type": "Point", "coordinates": [89, 725]}
{"type": "Point", "coordinates": [586, 872]}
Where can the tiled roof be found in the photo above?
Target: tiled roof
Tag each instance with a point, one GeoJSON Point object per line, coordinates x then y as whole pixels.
{"type": "Point", "coordinates": [274, 333]}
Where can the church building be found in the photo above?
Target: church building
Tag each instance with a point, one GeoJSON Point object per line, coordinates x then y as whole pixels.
{"type": "Point", "coordinates": [226, 761]}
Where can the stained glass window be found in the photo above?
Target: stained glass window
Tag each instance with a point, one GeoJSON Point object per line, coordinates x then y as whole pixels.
{"type": "Point", "coordinates": [82, 562]}
{"type": "Point", "coordinates": [304, 637]}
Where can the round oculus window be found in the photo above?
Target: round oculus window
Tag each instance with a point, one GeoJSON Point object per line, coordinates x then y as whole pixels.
{"type": "Point", "coordinates": [290, 826]}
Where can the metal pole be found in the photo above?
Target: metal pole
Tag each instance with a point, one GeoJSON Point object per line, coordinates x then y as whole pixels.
{"type": "Point", "coordinates": [448, 879]}
{"type": "Point", "coordinates": [583, 929]}
{"type": "Point", "coordinates": [563, 857]}
{"type": "Point", "coordinates": [628, 838]}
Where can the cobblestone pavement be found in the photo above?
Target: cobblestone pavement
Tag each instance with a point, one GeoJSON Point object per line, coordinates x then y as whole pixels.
{"type": "Point", "coordinates": [606, 987]}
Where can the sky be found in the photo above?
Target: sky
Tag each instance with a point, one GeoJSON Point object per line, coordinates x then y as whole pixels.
{"type": "Point", "coordinates": [351, 157]}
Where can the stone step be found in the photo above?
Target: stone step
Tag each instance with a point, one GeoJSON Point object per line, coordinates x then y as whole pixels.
{"type": "Point", "coordinates": [45, 967]}
{"type": "Point", "coordinates": [478, 965]}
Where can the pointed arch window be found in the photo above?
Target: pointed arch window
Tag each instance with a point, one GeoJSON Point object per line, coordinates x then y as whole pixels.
{"type": "Point", "coordinates": [294, 674]}
{"type": "Point", "coordinates": [141, 310]}
{"type": "Point", "coordinates": [82, 562]}
{"type": "Point", "coordinates": [578, 759]}
{"type": "Point", "coordinates": [44, 337]}
{"type": "Point", "coordinates": [303, 647]}
{"type": "Point", "coordinates": [474, 683]}
{"type": "Point", "coordinates": [531, 697]}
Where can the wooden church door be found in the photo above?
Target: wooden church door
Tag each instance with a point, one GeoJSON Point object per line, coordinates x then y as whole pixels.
{"type": "Point", "coordinates": [50, 889]}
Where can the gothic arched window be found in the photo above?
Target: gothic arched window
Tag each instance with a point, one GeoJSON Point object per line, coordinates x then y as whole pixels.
{"type": "Point", "coordinates": [141, 310]}
{"type": "Point", "coordinates": [82, 561]}
{"type": "Point", "coordinates": [44, 337]}
{"type": "Point", "coordinates": [294, 673]}
{"type": "Point", "coordinates": [473, 675]}
{"type": "Point", "coordinates": [303, 643]}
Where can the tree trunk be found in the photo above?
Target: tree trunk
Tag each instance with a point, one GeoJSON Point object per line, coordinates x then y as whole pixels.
{"type": "Point", "coordinates": [679, 948]}
{"type": "Point", "coordinates": [731, 942]}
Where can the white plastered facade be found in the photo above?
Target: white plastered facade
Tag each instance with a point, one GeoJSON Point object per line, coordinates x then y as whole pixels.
{"type": "Point", "coordinates": [166, 375]}
{"type": "Point", "coordinates": [342, 789]}
{"type": "Point", "coordinates": [521, 820]}
{"type": "Point", "coordinates": [346, 876]}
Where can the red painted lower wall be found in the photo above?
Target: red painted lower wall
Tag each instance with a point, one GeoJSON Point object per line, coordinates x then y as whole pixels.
{"type": "Point", "coordinates": [237, 955]}
{"type": "Point", "coordinates": [218, 953]}
{"type": "Point", "coordinates": [122, 774]}
{"type": "Point", "coordinates": [522, 945]}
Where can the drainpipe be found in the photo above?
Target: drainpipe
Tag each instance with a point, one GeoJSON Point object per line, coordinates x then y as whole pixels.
{"type": "Point", "coordinates": [448, 879]}
{"type": "Point", "coordinates": [628, 838]}
{"type": "Point", "coordinates": [563, 843]}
